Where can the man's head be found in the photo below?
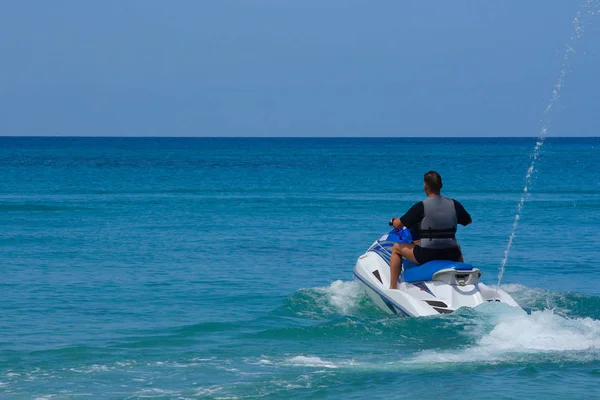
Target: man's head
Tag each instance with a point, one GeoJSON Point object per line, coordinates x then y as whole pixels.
{"type": "Point", "coordinates": [432, 183]}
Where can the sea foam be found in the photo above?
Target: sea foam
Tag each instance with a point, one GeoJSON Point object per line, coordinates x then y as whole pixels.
{"type": "Point", "coordinates": [516, 335]}
{"type": "Point", "coordinates": [344, 297]}
{"type": "Point", "coordinates": [310, 361]}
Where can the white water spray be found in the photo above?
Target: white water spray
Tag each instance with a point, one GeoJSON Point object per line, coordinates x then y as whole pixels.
{"type": "Point", "coordinates": [591, 7]}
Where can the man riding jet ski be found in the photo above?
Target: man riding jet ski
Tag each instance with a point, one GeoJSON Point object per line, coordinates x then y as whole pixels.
{"type": "Point", "coordinates": [434, 279]}
{"type": "Point", "coordinates": [435, 220]}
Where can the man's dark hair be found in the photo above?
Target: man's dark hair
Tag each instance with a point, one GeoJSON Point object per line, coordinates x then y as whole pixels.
{"type": "Point", "coordinates": [433, 180]}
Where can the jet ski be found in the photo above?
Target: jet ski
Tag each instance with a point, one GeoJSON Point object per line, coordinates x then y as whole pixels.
{"type": "Point", "coordinates": [436, 287]}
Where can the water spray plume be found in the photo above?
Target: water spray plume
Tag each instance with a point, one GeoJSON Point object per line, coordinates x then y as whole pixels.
{"type": "Point", "coordinates": [590, 7]}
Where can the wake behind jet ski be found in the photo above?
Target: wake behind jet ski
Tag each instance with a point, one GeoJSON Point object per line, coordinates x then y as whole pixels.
{"type": "Point", "coordinates": [436, 287]}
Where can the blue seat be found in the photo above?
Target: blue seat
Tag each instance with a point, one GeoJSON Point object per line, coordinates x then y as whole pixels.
{"type": "Point", "coordinates": [425, 272]}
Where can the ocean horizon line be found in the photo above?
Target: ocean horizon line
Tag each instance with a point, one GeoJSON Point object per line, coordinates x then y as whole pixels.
{"type": "Point", "coordinates": [287, 137]}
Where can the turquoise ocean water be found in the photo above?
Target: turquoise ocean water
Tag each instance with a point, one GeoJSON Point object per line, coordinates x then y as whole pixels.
{"type": "Point", "coordinates": [222, 268]}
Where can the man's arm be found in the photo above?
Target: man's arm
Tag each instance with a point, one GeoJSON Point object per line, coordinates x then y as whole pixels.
{"type": "Point", "coordinates": [412, 217]}
{"type": "Point", "coordinates": [462, 216]}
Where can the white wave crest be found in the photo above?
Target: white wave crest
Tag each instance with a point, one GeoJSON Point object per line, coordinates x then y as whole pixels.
{"type": "Point", "coordinates": [344, 297]}
{"type": "Point", "coordinates": [543, 331]}
{"type": "Point", "coordinates": [209, 391]}
{"type": "Point", "coordinates": [305, 361]}
{"type": "Point", "coordinates": [517, 334]}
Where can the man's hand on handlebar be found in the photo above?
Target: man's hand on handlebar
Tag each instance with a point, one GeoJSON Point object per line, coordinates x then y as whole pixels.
{"type": "Point", "coordinates": [395, 222]}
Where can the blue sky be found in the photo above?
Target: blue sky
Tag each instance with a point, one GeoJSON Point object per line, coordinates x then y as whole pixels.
{"type": "Point", "coordinates": [291, 68]}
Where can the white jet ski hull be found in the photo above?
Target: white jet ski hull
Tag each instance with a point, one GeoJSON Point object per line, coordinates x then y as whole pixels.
{"type": "Point", "coordinates": [448, 287]}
